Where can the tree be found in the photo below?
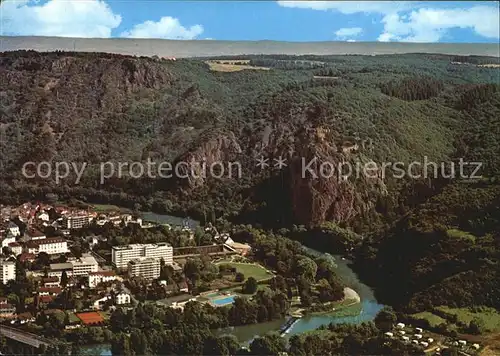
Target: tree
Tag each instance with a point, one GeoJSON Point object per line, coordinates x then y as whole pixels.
{"type": "Point", "coordinates": [385, 319]}
{"type": "Point", "coordinates": [474, 326]}
{"type": "Point", "coordinates": [306, 267]}
{"type": "Point", "coordinates": [64, 279]}
{"type": "Point", "coordinates": [271, 344]}
{"type": "Point", "coordinates": [250, 286]}
{"type": "Point", "coordinates": [239, 277]}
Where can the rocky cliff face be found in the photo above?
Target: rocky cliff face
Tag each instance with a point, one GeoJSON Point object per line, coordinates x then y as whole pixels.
{"type": "Point", "coordinates": [98, 107]}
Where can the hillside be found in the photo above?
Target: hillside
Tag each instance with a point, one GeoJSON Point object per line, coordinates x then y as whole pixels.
{"type": "Point", "coordinates": [430, 241]}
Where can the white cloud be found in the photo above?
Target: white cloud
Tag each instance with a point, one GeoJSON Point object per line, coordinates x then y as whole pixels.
{"type": "Point", "coordinates": [90, 18]}
{"type": "Point", "coordinates": [346, 32]}
{"type": "Point", "coordinates": [168, 27]}
{"type": "Point", "coordinates": [415, 21]}
{"type": "Point", "coordinates": [431, 25]}
{"type": "Point", "coordinates": [350, 7]}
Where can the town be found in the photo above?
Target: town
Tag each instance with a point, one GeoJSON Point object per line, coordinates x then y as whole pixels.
{"type": "Point", "coordinates": [64, 268]}
{"type": "Point", "coordinates": [52, 263]}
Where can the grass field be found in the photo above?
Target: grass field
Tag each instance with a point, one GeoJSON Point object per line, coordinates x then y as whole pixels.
{"type": "Point", "coordinates": [107, 207]}
{"type": "Point", "coordinates": [433, 319]}
{"type": "Point", "coordinates": [250, 270]}
{"type": "Point", "coordinates": [488, 318]}
{"type": "Point", "coordinates": [232, 66]}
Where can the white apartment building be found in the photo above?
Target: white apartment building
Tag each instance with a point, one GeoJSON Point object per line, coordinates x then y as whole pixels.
{"type": "Point", "coordinates": [148, 268]}
{"type": "Point", "coordinates": [101, 277]}
{"type": "Point", "coordinates": [7, 240]}
{"type": "Point", "coordinates": [51, 246]}
{"type": "Point", "coordinates": [7, 271]}
{"type": "Point", "coordinates": [122, 298]}
{"type": "Point", "coordinates": [57, 269]}
{"type": "Point", "coordinates": [84, 265]}
{"type": "Point", "coordinates": [122, 255]}
{"type": "Point", "coordinates": [76, 221]}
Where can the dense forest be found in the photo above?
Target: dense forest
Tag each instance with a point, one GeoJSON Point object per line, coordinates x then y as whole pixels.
{"type": "Point", "coordinates": [421, 242]}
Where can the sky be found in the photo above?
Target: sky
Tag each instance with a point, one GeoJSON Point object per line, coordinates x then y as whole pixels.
{"type": "Point", "coordinates": [397, 21]}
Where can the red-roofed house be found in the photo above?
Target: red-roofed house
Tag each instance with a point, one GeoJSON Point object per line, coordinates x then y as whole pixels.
{"type": "Point", "coordinates": [16, 248]}
{"type": "Point", "coordinates": [53, 291]}
{"type": "Point", "coordinates": [27, 257]}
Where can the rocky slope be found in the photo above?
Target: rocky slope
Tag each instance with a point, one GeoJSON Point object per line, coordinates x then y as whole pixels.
{"type": "Point", "coordinates": [96, 107]}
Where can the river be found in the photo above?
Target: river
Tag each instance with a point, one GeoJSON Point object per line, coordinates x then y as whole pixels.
{"type": "Point", "coordinates": [370, 308]}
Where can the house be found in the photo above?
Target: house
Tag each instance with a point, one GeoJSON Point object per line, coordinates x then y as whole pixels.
{"type": "Point", "coordinates": [462, 342]}
{"type": "Point", "coordinates": [400, 325]}
{"type": "Point", "coordinates": [183, 287]}
{"type": "Point", "coordinates": [476, 346]}
{"type": "Point", "coordinates": [424, 344]}
{"type": "Point", "coordinates": [50, 281]}
{"type": "Point", "coordinates": [43, 215]}
{"type": "Point", "coordinates": [406, 338]}
{"type": "Point", "coordinates": [389, 334]}
{"type": "Point", "coordinates": [100, 301]}
{"type": "Point", "coordinates": [13, 229]}
{"type": "Point", "coordinates": [16, 248]}
{"type": "Point", "coordinates": [34, 234]}
{"type": "Point", "coordinates": [418, 336]}
{"type": "Point", "coordinates": [7, 310]}
{"type": "Point", "coordinates": [122, 298]}
{"type": "Point", "coordinates": [402, 332]}
{"type": "Point", "coordinates": [25, 318]}
{"type": "Point", "coordinates": [52, 291]}
{"type": "Point", "coordinates": [44, 299]}
{"type": "Point", "coordinates": [415, 342]}
{"type": "Point", "coordinates": [7, 240]}
{"type": "Point", "coordinates": [27, 257]}
{"type": "Point", "coordinates": [242, 249]}
{"type": "Point", "coordinates": [430, 340]}
{"type": "Point", "coordinates": [419, 330]}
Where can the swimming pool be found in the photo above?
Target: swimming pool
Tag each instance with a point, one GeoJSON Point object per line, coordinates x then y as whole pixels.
{"type": "Point", "coordinates": [224, 301]}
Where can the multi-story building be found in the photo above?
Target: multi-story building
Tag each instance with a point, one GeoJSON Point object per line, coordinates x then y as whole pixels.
{"type": "Point", "coordinates": [57, 269]}
{"type": "Point", "coordinates": [121, 255]}
{"type": "Point", "coordinates": [148, 268]}
{"type": "Point", "coordinates": [51, 246]}
{"type": "Point", "coordinates": [84, 265]}
{"type": "Point", "coordinates": [7, 271]}
{"type": "Point", "coordinates": [100, 277]}
{"type": "Point", "coordinates": [76, 221]}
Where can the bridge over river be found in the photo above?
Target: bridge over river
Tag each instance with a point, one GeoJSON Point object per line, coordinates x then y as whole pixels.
{"type": "Point", "coordinates": [24, 337]}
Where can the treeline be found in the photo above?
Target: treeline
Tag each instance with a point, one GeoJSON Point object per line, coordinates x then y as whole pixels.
{"type": "Point", "coordinates": [476, 59]}
{"type": "Point", "coordinates": [285, 64]}
{"type": "Point", "coordinates": [477, 95]}
{"type": "Point", "coordinates": [413, 88]}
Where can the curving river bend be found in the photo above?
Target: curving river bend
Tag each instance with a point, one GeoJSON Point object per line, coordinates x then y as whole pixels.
{"type": "Point", "coordinates": [370, 308]}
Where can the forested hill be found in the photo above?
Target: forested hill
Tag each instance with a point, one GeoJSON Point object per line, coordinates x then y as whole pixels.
{"type": "Point", "coordinates": [426, 236]}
